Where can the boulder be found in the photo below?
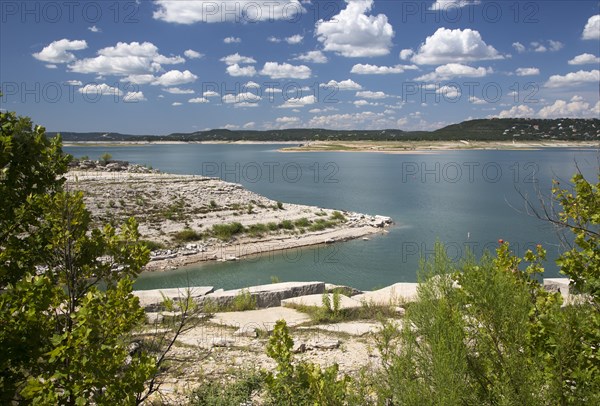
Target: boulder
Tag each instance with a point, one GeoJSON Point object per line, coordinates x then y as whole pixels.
{"type": "Point", "coordinates": [391, 295]}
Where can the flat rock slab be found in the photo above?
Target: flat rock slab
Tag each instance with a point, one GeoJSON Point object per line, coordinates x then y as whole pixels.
{"type": "Point", "coordinates": [557, 285]}
{"type": "Point", "coordinates": [354, 328]}
{"type": "Point", "coordinates": [152, 299]}
{"type": "Point", "coordinates": [391, 295]}
{"type": "Point", "coordinates": [269, 295]}
{"type": "Point", "coordinates": [263, 319]}
{"type": "Point", "coordinates": [317, 301]}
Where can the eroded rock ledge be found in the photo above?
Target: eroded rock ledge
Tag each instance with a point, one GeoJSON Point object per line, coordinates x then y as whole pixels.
{"type": "Point", "coordinates": [177, 215]}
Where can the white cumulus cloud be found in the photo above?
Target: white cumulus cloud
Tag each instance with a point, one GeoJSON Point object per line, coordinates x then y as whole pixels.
{"type": "Point", "coordinates": [125, 59]}
{"type": "Point", "coordinates": [312, 56]}
{"type": "Point", "coordinates": [251, 85]}
{"type": "Point", "coordinates": [176, 90]}
{"type": "Point", "coordinates": [585, 59]}
{"type": "Point", "coordinates": [237, 70]}
{"type": "Point", "coordinates": [520, 48]}
{"type": "Point", "coordinates": [527, 71]}
{"type": "Point", "coordinates": [232, 40]}
{"type": "Point", "coordinates": [353, 33]}
{"type": "Point", "coordinates": [190, 53]}
{"type": "Point", "coordinates": [58, 51]}
{"type": "Point", "coordinates": [575, 109]}
{"type": "Point", "coordinates": [174, 78]}
{"type": "Point", "coordinates": [93, 90]}
{"type": "Point", "coordinates": [520, 111]}
{"type": "Point", "coordinates": [244, 99]}
{"type": "Point", "coordinates": [367, 94]}
{"type": "Point", "coordinates": [210, 93]}
{"type": "Point", "coordinates": [452, 70]}
{"type": "Point", "coordinates": [592, 28]}
{"type": "Point", "coordinates": [210, 11]}
{"type": "Point", "coordinates": [298, 102]}
{"type": "Point", "coordinates": [347, 84]}
{"type": "Point", "coordinates": [134, 97]}
{"type": "Point", "coordinates": [448, 46]}
{"type": "Point", "coordinates": [281, 71]}
{"type": "Point", "coordinates": [574, 79]}
{"type": "Point", "coordinates": [448, 5]}
{"type": "Point", "coordinates": [288, 121]}
{"type": "Point", "coordinates": [198, 100]}
{"type": "Point", "coordinates": [237, 58]}
{"type": "Point", "coordinates": [294, 39]}
{"type": "Point", "coordinates": [367, 69]}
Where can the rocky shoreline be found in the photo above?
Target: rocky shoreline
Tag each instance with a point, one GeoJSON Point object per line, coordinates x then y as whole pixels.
{"type": "Point", "coordinates": [188, 218]}
{"type": "Point", "coordinates": [228, 343]}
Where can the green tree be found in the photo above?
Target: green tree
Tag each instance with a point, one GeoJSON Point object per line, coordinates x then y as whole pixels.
{"type": "Point", "coordinates": [31, 166]}
{"type": "Point", "coordinates": [66, 307]}
{"type": "Point", "coordinates": [581, 215]}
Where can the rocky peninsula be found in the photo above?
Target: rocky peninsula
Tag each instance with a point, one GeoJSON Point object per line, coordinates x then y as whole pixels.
{"type": "Point", "coordinates": [188, 218]}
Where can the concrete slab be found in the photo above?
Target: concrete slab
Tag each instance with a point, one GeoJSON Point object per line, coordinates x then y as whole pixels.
{"type": "Point", "coordinates": [263, 319]}
{"type": "Point", "coordinates": [269, 295]}
{"type": "Point", "coordinates": [317, 301]}
{"type": "Point", "coordinates": [391, 295]}
{"type": "Point", "coordinates": [152, 299]}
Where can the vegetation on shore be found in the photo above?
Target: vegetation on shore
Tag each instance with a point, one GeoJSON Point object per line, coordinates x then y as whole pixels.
{"type": "Point", "coordinates": [227, 231]}
{"type": "Point", "coordinates": [481, 332]}
{"type": "Point", "coordinates": [495, 129]}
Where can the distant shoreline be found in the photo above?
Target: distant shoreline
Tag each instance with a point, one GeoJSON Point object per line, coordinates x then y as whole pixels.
{"type": "Point", "coordinates": [390, 147]}
{"type": "Point", "coordinates": [142, 143]}
{"type": "Point", "coordinates": [430, 147]}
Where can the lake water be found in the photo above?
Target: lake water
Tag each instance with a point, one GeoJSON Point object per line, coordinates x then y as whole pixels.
{"type": "Point", "coordinates": [466, 199]}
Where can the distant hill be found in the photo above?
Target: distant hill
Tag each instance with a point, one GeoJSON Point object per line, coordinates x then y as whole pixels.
{"type": "Point", "coordinates": [473, 130]}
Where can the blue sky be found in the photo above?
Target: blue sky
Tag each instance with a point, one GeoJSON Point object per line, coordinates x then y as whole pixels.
{"type": "Point", "coordinates": [156, 67]}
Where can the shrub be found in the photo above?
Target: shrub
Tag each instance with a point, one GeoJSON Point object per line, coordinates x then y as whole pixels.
{"type": "Point", "coordinates": [272, 226]}
{"type": "Point", "coordinates": [186, 235]}
{"type": "Point", "coordinates": [280, 205]}
{"type": "Point", "coordinates": [336, 215]}
{"type": "Point", "coordinates": [303, 384]}
{"type": "Point", "coordinates": [238, 392]}
{"type": "Point", "coordinates": [243, 301]}
{"type": "Point", "coordinates": [106, 157]}
{"type": "Point", "coordinates": [286, 225]}
{"type": "Point", "coordinates": [175, 211]}
{"type": "Point", "coordinates": [153, 245]}
{"type": "Point", "coordinates": [224, 232]}
{"type": "Point", "coordinates": [303, 222]}
{"type": "Point", "coordinates": [257, 230]}
{"type": "Point", "coordinates": [487, 333]}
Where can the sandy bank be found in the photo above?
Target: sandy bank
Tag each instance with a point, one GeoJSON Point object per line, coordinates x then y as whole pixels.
{"type": "Point", "coordinates": [429, 147]}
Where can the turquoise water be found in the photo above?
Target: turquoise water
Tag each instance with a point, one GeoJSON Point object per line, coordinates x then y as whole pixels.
{"type": "Point", "coordinates": [466, 199]}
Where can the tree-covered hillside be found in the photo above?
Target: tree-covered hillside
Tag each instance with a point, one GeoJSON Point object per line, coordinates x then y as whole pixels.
{"type": "Point", "coordinates": [572, 129]}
